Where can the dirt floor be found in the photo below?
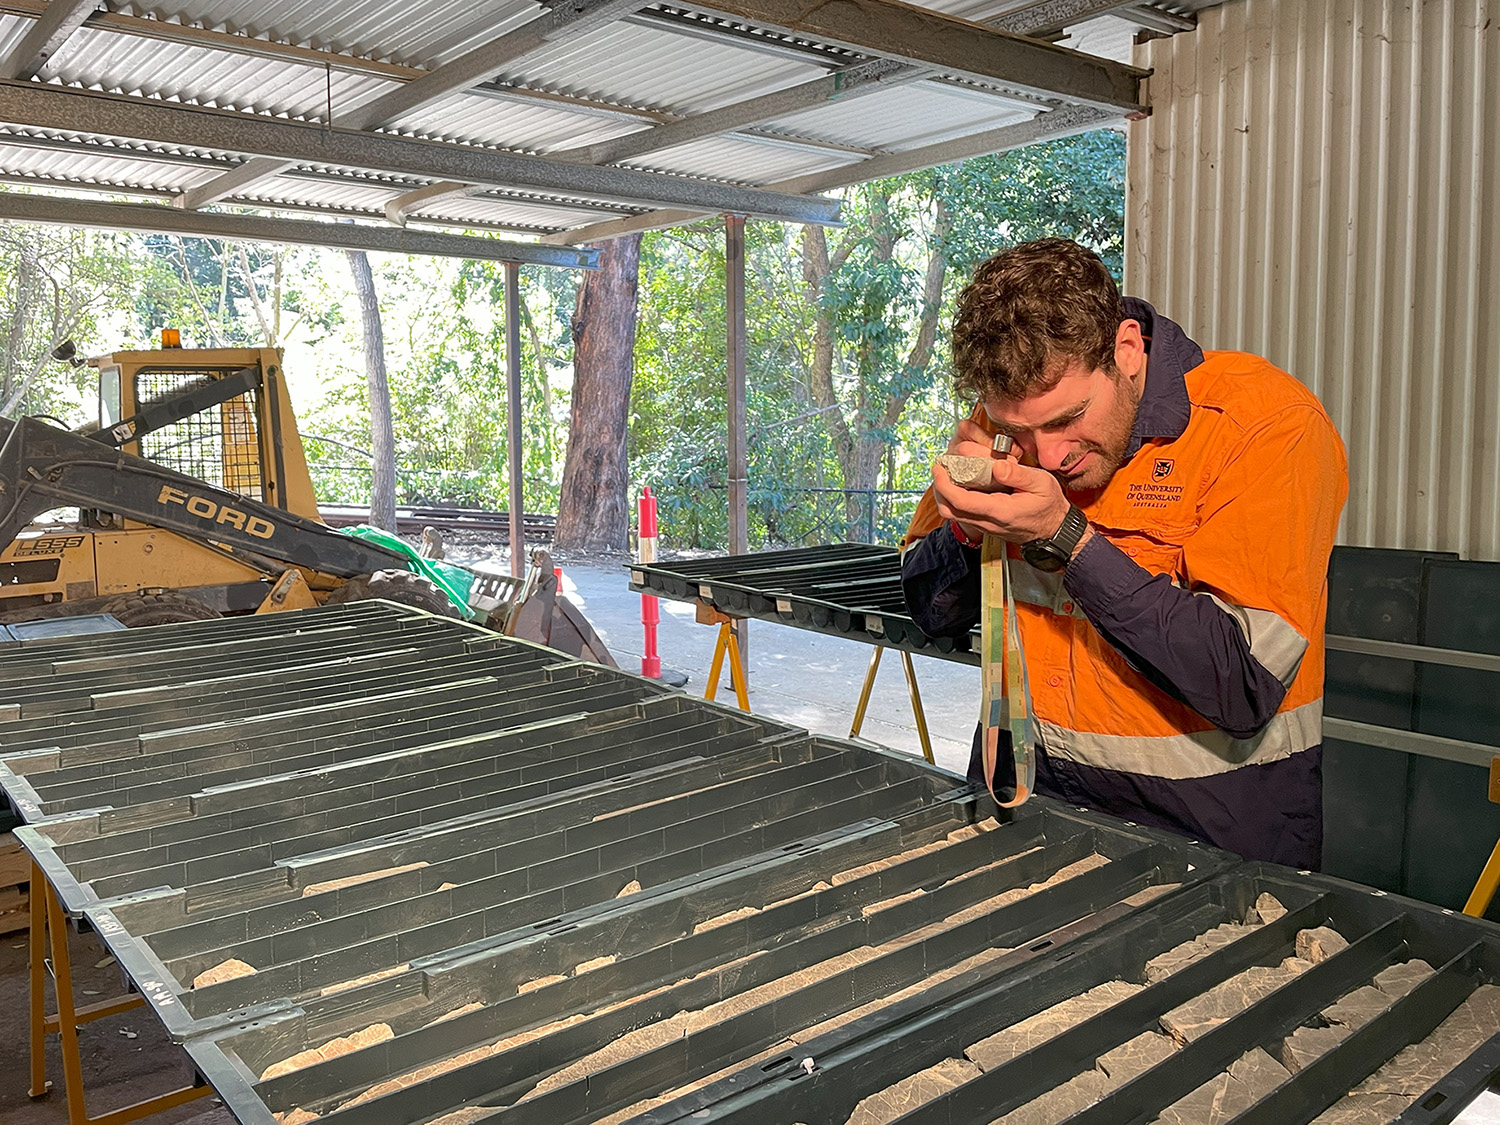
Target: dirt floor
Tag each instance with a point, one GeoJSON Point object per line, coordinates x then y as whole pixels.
{"type": "Point", "coordinates": [126, 1058]}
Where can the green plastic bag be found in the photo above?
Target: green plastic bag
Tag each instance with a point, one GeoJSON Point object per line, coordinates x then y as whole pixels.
{"type": "Point", "coordinates": [454, 581]}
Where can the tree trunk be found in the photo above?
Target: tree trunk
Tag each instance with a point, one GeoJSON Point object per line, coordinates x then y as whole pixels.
{"type": "Point", "coordinates": [382, 437]}
{"type": "Point", "coordinates": [859, 428]}
{"type": "Point", "coordinates": [16, 360]}
{"type": "Point", "coordinates": [592, 509]}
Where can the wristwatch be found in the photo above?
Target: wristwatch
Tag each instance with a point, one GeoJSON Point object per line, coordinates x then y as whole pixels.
{"type": "Point", "coordinates": [1051, 555]}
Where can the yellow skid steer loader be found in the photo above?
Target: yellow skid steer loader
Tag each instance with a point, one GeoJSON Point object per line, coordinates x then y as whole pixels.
{"type": "Point", "coordinates": [194, 500]}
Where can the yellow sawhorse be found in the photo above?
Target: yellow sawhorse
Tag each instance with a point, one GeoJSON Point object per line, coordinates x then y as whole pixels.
{"type": "Point", "coordinates": [916, 700]}
{"type": "Point", "coordinates": [727, 643]}
{"type": "Point", "coordinates": [1489, 879]}
{"type": "Point", "coordinates": [49, 929]}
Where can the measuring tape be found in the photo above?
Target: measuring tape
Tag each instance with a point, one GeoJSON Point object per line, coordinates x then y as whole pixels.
{"type": "Point", "coordinates": [1006, 692]}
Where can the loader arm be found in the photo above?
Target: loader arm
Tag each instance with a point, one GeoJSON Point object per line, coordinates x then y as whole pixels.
{"type": "Point", "coordinates": [44, 467]}
{"type": "Point", "coordinates": [156, 415]}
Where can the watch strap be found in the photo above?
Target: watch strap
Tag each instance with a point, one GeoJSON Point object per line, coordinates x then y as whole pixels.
{"type": "Point", "coordinates": [1066, 537]}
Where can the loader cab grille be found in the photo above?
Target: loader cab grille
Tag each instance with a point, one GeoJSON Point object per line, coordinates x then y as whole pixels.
{"type": "Point", "coordinates": [221, 445]}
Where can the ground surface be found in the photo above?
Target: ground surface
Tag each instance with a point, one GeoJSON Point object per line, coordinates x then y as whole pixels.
{"type": "Point", "coordinates": [798, 676]}
{"type": "Point", "coordinates": [126, 1058]}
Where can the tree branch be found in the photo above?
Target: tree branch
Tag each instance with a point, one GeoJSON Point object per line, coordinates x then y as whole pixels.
{"type": "Point", "coordinates": [815, 270]}
{"type": "Point", "coordinates": [260, 309]}
{"type": "Point", "coordinates": [192, 288]}
{"type": "Point", "coordinates": [922, 347]}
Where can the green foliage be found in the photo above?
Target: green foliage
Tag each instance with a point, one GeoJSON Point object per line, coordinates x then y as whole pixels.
{"type": "Point", "coordinates": [1070, 188]}
{"type": "Point", "coordinates": [886, 410]}
{"type": "Point", "coordinates": [445, 352]}
{"type": "Point", "coordinates": [56, 284]}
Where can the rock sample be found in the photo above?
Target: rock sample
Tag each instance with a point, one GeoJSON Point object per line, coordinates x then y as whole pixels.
{"type": "Point", "coordinates": [970, 472]}
{"type": "Point", "coordinates": [224, 970]}
{"type": "Point", "coordinates": [1319, 944]}
{"type": "Point", "coordinates": [358, 1040]}
{"type": "Point", "coordinates": [1223, 1002]}
{"type": "Point", "coordinates": [1221, 1099]}
{"type": "Point", "coordinates": [920, 1088]}
{"type": "Point", "coordinates": [1033, 1031]}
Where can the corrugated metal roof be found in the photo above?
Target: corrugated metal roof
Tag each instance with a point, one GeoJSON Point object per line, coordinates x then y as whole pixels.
{"type": "Point", "coordinates": [637, 65]}
{"type": "Point", "coordinates": [904, 117]}
{"type": "Point", "coordinates": [539, 126]}
{"type": "Point", "coordinates": [767, 163]}
{"type": "Point", "coordinates": [178, 72]}
{"type": "Point", "coordinates": [12, 29]}
{"type": "Point", "coordinates": [333, 193]}
{"type": "Point", "coordinates": [518, 213]}
{"type": "Point", "coordinates": [114, 169]}
{"type": "Point", "coordinates": [424, 34]}
{"type": "Point", "coordinates": [310, 61]}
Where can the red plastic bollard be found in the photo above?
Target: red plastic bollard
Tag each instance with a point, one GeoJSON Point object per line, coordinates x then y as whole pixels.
{"type": "Point", "coordinates": [650, 610]}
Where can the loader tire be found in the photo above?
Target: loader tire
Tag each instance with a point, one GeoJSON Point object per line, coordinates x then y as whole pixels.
{"type": "Point", "coordinates": [395, 586]}
{"type": "Point", "coordinates": [136, 611]}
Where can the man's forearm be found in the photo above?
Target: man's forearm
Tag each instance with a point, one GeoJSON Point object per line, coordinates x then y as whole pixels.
{"type": "Point", "coordinates": [1184, 643]}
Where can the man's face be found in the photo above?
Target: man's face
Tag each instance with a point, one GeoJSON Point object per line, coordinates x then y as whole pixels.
{"type": "Point", "coordinates": [1079, 429]}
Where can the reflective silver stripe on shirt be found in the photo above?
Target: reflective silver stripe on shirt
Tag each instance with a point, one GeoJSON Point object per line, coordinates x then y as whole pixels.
{"type": "Point", "coordinates": [1035, 587]}
{"type": "Point", "coordinates": [1179, 756]}
{"type": "Point", "coordinates": [1273, 641]}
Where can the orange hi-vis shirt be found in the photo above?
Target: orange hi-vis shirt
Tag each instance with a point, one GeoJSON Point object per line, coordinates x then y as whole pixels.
{"type": "Point", "coordinates": [1241, 508]}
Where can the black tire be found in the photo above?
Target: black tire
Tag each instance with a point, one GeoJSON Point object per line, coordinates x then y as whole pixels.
{"type": "Point", "coordinates": [136, 611]}
{"type": "Point", "coordinates": [395, 586]}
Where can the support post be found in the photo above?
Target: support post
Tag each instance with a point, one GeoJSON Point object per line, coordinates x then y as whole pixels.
{"type": "Point", "coordinates": [650, 610]}
{"type": "Point", "coordinates": [513, 415]}
{"type": "Point", "coordinates": [734, 304]}
{"type": "Point", "coordinates": [49, 931]}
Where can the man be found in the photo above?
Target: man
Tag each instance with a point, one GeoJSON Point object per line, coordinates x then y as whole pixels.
{"type": "Point", "coordinates": [1176, 509]}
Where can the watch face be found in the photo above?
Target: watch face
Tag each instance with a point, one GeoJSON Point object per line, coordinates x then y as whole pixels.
{"type": "Point", "coordinates": [1044, 556]}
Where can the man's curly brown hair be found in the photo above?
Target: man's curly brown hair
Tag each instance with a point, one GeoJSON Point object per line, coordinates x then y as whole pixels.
{"type": "Point", "coordinates": [1029, 314]}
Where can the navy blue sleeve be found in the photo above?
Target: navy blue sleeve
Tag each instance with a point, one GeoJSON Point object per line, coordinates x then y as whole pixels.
{"type": "Point", "coordinates": [1183, 643]}
{"type": "Point", "coordinates": [940, 578]}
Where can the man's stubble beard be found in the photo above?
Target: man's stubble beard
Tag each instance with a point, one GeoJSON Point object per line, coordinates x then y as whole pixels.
{"type": "Point", "coordinates": [1109, 453]}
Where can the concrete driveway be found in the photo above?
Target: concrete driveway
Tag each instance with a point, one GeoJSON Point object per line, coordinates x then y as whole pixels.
{"type": "Point", "coordinates": [796, 675]}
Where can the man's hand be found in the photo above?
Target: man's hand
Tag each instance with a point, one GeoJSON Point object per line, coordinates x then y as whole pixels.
{"type": "Point", "coordinates": [1022, 503]}
{"type": "Point", "coordinates": [970, 439]}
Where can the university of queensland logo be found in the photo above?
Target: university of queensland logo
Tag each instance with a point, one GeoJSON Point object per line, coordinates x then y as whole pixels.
{"type": "Point", "coordinates": [1163, 468]}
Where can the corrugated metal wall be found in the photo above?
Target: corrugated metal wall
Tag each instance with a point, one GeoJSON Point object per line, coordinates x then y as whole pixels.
{"type": "Point", "coordinates": [1319, 182]}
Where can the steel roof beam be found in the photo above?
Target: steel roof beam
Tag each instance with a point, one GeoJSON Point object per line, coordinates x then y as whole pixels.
{"type": "Point", "coordinates": [256, 228]}
{"type": "Point", "coordinates": [323, 211]}
{"type": "Point", "coordinates": [576, 17]}
{"type": "Point", "coordinates": [1156, 19]}
{"type": "Point", "coordinates": [39, 106]}
{"type": "Point", "coordinates": [1045, 126]}
{"type": "Point", "coordinates": [399, 208]}
{"type": "Point", "coordinates": [51, 30]}
{"type": "Point", "coordinates": [1046, 17]}
{"type": "Point", "coordinates": [573, 18]}
{"type": "Point", "coordinates": [83, 146]}
{"type": "Point", "coordinates": [927, 38]}
{"type": "Point", "coordinates": [225, 184]}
